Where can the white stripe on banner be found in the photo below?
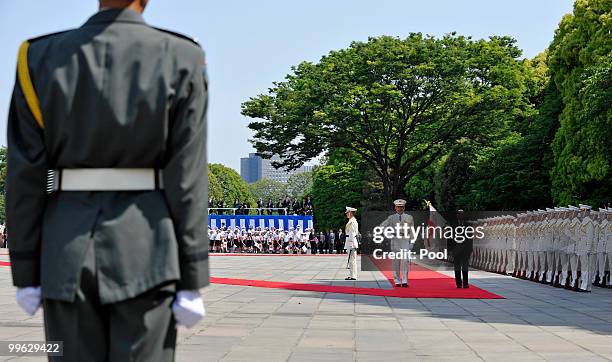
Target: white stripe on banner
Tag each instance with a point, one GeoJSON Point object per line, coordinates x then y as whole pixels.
{"type": "Point", "coordinates": [213, 223]}
{"type": "Point", "coordinates": [281, 224]}
{"type": "Point", "coordinates": [251, 223]}
{"type": "Point", "coordinates": [233, 223]}
{"type": "Point", "coordinates": [262, 223]}
{"type": "Point", "coordinates": [223, 222]}
{"type": "Point", "coordinates": [290, 223]}
{"type": "Point", "coordinates": [301, 224]}
{"type": "Point", "coordinates": [310, 224]}
{"type": "Point", "coordinates": [242, 223]}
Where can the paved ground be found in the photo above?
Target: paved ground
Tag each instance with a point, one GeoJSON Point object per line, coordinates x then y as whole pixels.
{"type": "Point", "coordinates": [534, 322]}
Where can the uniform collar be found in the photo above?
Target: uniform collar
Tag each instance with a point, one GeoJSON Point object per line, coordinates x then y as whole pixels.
{"type": "Point", "coordinates": [116, 15]}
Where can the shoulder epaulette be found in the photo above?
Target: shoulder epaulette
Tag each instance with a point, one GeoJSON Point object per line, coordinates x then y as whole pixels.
{"type": "Point", "coordinates": [25, 80]}
{"type": "Point", "coordinates": [47, 36]}
{"type": "Point", "coordinates": [183, 36]}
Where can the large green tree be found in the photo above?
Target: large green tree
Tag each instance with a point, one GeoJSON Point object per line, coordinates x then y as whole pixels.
{"type": "Point", "coordinates": [299, 185]}
{"type": "Point", "coordinates": [268, 189]}
{"type": "Point", "coordinates": [232, 185]}
{"type": "Point", "coordinates": [513, 173]}
{"type": "Point", "coordinates": [400, 104]}
{"type": "Point", "coordinates": [580, 60]}
{"type": "Point", "coordinates": [214, 187]}
{"type": "Point", "coordinates": [334, 187]}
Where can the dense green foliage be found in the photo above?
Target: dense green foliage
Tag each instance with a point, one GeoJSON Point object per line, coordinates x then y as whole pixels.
{"type": "Point", "coordinates": [300, 185]}
{"type": "Point", "coordinates": [334, 187]}
{"type": "Point", "coordinates": [580, 61]}
{"type": "Point", "coordinates": [268, 189]}
{"type": "Point", "coordinates": [215, 189]}
{"type": "Point", "coordinates": [232, 185]}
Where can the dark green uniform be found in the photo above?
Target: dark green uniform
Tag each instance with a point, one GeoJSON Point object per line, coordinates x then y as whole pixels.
{"type": "Point", "coordinates": [114, 93]}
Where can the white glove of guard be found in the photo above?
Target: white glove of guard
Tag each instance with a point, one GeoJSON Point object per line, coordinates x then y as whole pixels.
{"type": "Point", "coordinates": [28, 299]}
{"type": "Point", "coordinates": [188, 308]}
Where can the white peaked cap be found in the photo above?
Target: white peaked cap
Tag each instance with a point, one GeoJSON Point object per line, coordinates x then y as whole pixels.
{"type": "Point", "coordinates": [399, 202]}
{"type": "Point", "coordinates": [582, 206]}
{"type": "Point", "coordinates": [351, 209]}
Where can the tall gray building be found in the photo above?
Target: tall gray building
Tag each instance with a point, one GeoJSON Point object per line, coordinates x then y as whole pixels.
{"type": "Point", "coordinates": [251, 167]}
{"type": "Point", "coordinates": [255, 168]}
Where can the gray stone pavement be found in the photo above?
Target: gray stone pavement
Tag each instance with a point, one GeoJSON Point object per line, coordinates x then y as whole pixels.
{"type": "Point", "coordinates": [534, 322]}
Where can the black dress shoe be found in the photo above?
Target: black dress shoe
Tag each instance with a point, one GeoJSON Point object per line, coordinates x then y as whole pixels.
{"type": "Point", "coordinates": [459, 287]}
{"type": "Point", "coordinates": [405, 285]}
{"type": "Point", "coordinates": [397, 285]}
{"type": "Point", "coordinates": [348, 278]}
{"type": "Point", "coordinates": [466, 286]}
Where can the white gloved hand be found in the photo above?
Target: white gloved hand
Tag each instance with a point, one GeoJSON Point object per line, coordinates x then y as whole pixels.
{"type": "Point", "coordinates": [188, 308]}
{"type": "Point", "coordinates": [28, 299]}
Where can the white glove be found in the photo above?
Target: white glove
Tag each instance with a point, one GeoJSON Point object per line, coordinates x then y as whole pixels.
{"type": "Point", "coordinates": [29, 299]}
{"type": "Point", "coordinates": [188, 308]}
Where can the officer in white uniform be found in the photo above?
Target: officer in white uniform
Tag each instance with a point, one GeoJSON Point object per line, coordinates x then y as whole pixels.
{"type": "Point", "coordinates": [351, 244]}
{"type": "Point", "coordinates": [403, 244]}
{"type": "Point", "coordinates": [512, 245]}
{"type": "Point", "coordinates": [573, 230]}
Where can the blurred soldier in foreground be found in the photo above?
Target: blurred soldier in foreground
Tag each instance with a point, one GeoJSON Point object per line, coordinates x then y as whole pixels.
{"type": "Point", "coordinates": [351, 244]}
{"type": "Point", "coordinates": [117, 110]}
{"type": "Point", "coordinates": [400, 244]}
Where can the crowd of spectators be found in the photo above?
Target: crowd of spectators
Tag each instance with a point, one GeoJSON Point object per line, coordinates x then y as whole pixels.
{"type": "Point", "coordinates": [286, 206]}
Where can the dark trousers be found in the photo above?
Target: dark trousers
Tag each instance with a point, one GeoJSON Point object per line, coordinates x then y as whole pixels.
{"type": "Point", "coordinates": [137, 329]}
{"type": "Point", "coordinates": [461, 262]}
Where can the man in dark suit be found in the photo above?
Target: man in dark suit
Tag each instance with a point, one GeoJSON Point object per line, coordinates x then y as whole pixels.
{"type": "Point", "coordinates": [116, 110]}
{"type": "Point", "coordinates": [462, 251]}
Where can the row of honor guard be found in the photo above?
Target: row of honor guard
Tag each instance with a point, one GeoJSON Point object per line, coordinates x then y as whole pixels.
{"type": "Point", "coordinates": [567, 247]}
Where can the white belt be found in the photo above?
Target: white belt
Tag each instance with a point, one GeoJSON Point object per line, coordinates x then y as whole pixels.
{"type": "Point", "coordinates": [104, 179]}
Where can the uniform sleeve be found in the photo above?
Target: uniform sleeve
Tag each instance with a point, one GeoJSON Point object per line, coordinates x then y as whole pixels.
{"type": "Point", "coordinates": [25, 191]}
{"type": "Point", "coordinates": [353, 231]}
{"type": "Point", "coordinates": [185, 178]}
{"type": "Point", "coordinates": [385, 222]}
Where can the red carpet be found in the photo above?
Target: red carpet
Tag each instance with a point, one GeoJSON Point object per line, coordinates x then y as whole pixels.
{"type": "Point", "coordinates": [305, 255]}
{"type": "Point", "coordinates": [423, 282]}
{"type": "Point", "coordinates": [426, 283]}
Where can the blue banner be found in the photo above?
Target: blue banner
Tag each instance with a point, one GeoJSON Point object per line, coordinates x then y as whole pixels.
{"type": "Point", "coordinates": [284, 222]}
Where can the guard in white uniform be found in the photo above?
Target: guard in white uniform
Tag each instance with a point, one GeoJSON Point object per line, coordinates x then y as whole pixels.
{"type": "Point", "coordinates": [607, 226]}
{"type": "Point", "coordinates": [404, 245]}
{"type": "Point", "coordinates": [351, 244]}
{"type": "Point", "coordinates": [584, 248]}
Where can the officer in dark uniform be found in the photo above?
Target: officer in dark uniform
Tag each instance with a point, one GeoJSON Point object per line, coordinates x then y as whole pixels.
{"type": "Point", "coordinates": [461, 249]}
{"type": "Point", "coordinates": [118, 252]}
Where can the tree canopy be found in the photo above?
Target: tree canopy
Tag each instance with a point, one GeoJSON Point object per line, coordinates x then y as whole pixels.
{"type": "Point", "coordinates": [334, 187]}
{"type": "Point", "coordinates": [268, 189]}
{"type": "Point", "coordinates": [299, 185]}
{"type": "Point", "coordinates": [398, 103]}
{"type": "Point", "coordinates": [232, 185]}
{"type": "Point", "coordinates": [580, 63]}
